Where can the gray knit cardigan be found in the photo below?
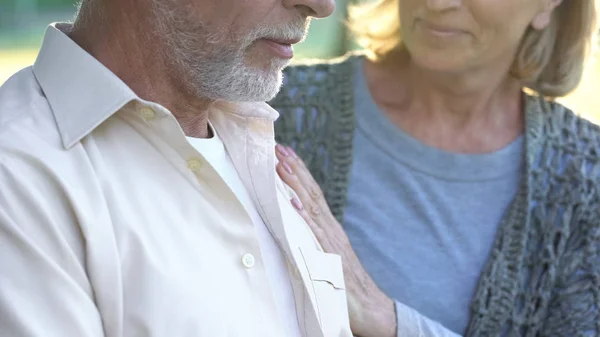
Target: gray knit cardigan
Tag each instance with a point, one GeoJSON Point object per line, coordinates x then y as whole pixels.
{"type": "Point", "coordinates": [543, 275]}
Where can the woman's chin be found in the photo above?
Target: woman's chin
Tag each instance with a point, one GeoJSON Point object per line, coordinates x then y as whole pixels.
{"type": "Point", "coordinates": [440, 62]}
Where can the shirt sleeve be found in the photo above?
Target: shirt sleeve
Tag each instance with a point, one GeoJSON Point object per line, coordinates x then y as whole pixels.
{"type": "Point", "coordinates": [412, 323]}
{"type": "Point", "coordinates": [44, 290]}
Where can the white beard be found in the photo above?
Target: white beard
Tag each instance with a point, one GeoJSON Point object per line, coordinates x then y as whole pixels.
{"type": "Point", "coordinates": [214, 68]}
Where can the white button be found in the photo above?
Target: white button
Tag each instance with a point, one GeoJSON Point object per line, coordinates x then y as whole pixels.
{"type": "Point", "coordinates": [194, 164]}
{"type": "Point", "coordinates": [248, 260]}
{"type": "Point", "coordinates": [147, 113]}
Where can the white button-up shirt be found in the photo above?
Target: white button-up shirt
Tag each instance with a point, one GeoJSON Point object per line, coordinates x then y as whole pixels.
{"type": "Point", "coordinates": [112, 224]}
{"type": "Point", "coordinates": [273, 259]}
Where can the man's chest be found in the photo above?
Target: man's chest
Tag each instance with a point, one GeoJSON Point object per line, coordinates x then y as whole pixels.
{"type": "Point", "coordinates": [187, 252]}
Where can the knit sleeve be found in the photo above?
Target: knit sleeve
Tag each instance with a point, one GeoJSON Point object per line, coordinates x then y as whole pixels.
{"type": "Point", "coordinates": [574, 308]}
{"type": "Point", "coordinates": [574, 304]}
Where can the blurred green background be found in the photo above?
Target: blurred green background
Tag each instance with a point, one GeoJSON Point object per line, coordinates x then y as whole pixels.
{"type": "Point", "coordinates": [23, 22]}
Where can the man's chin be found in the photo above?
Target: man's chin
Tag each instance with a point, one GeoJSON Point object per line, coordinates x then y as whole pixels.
{"type": "Point", "coordinates": [265, 95]}
{"type": "Point", "coordinates": [260, 88]}
{"type": "Point", "coordinates": [245, 83]}
{"type": "Point", "coordinates": [272, 89]}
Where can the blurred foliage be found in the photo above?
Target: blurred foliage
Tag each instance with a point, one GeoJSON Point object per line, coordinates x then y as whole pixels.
{"type": "Point", "coordinates": [48, 3]}
{"type": "Point", "coordinates": [22, 25]}
{"type": "Point", "coordinates": [40, 4]}
{"type": "Point", "coordinates": [23, 22]}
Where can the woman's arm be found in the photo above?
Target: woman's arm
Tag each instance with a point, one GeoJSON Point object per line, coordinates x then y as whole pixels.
{"type": "Point", "coordinates": [372, 313]}
{"type": "Point", "coordinates": [412, 323]}
{"type": "Point", "coordinates": [574, 307]}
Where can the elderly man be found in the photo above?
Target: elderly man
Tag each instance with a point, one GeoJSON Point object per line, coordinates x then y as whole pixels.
{"type": "Point", "coordinates": [138, 192]}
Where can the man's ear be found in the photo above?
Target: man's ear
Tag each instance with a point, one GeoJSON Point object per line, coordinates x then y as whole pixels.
{"type": "Point", "coordinates": [542, 19]}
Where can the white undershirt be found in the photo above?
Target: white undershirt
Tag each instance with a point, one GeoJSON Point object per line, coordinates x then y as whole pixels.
{"type": "Point", "coordinates": [214, 152]}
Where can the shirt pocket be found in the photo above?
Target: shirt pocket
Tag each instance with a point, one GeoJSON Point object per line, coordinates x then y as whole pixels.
{"type": "Point", "coordinates": [327, 283]}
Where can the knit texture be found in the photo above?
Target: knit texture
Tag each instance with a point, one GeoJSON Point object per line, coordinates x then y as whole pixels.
{"type": "Point", "coordinates": [542, 277]}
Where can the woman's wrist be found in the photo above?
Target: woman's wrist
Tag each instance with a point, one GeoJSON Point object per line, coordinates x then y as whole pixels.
{"type": "Point", "coordinates": [377, 316]}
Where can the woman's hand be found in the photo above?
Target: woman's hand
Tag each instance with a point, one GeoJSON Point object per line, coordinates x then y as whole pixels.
{"type": "Point", "coordinates": [371, 312]}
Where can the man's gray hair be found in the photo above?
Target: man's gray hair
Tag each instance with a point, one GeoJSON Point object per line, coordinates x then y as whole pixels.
{"type": "Point", "coordinates": [88, 11]}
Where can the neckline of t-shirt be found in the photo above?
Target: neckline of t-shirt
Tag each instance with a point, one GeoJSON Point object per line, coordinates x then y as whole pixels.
{"type": "Point", "coordinates": [404, 148]}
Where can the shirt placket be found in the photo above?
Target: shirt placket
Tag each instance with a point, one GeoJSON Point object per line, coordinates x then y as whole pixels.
{"type": "Point", "coordinates": [202, 175]}
{"type": "Point", "coordinates": [258, 158]}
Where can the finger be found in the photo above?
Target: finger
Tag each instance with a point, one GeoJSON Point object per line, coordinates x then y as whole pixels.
{"type": "Point", "coordinates": [288, 155]}
{"type": "Point", "coordinates": [300, 167]}
{"type": "Point", "coordinates": [291, 179]}
{"type": "Point", "coordinates": [304, 176]}
{"type": "Point", "coordinates": [316, 229]}
{"type": "Point", "coordinates": [285, 169]}
{"type": "Point", "coordinates": [294, 173]}
{"type": "Point", "coordinates": [282, 151]}
{"type": "Point", "coordinates": [288, 176]}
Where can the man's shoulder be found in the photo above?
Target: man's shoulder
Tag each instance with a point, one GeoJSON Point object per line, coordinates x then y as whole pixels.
{"type": "Point", "coordinates": [17, 96]}
{"type": "Point", "coordinates": [25, 113]}
{"type": "Point", "coordinates": [30, 144]}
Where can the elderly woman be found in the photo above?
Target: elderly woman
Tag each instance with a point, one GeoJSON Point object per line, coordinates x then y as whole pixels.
{"type": "Point", "coordinates": [463, 199]}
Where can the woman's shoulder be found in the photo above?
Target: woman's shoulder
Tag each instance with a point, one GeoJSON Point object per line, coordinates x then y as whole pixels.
{"type": "Point", "coordinates": [313, 79]}
{"type": "Point", "coordinates": [338, 64]}
{"type": "Point", "coordinates": [564, 142]}
{"type": "Point", "coordinates": [561, 126]}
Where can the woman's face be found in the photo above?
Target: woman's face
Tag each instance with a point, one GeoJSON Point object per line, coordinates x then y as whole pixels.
{"type": "Point", "coordinates": [459, 35]}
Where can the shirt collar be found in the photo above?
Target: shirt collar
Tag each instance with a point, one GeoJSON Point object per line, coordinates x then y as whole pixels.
{"type": "Point", "coordinates": [83, 93]}
{"type": "Point", "coordinates": [256, 110]}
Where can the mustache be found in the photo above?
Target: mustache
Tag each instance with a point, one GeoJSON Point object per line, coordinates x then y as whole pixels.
{"type": "Point", "coordinates": [295, 30]}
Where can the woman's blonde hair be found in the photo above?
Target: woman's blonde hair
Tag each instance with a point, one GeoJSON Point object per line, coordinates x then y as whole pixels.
{"type": "Point", "coordinates": [549, 61]}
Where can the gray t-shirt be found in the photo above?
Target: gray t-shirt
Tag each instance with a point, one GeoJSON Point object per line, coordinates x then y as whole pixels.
{"type": "Point", "coordinates": [422, 220]}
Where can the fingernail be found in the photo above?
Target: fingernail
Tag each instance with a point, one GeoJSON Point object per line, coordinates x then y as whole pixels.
{"type": "Point", "coordinates": [297, 204]}
{"type": "Point", "coordinates": [282, 150]}
{"type": "Point", "coordinates": [287, 167]}
{"type": "Point", "coordinates": [291, 151]}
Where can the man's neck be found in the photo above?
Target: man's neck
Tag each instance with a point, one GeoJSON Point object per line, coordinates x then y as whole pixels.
{"type": "Point", "coordinates": [134, 55]}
